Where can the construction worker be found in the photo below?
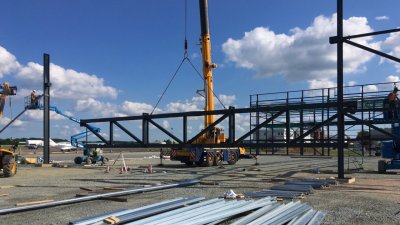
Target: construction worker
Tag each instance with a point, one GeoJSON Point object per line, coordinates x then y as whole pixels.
{"type": "Point", "coordinates": [34, 102]}
{"type": "Point", "coordinates": [393, 104]}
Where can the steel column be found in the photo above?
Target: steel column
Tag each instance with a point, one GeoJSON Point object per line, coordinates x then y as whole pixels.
{"type": "Point", "coordinates": [184, 129]}
{"type": "Point", "coordinates": [340, 125]}
{"type": "Point", "coordinates": [111, 133]}
{"type": "Point", "coordinates": [231, 125]}
{"type": "Point", "coordinates": [46, 110]}
{"type": "Point", "coordinates": [145, 129]}
{"type": "Point", "coordinates": [287, 123]}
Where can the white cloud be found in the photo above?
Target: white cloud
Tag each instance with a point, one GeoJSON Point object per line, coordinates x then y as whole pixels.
{"type": "Point", "coordinates": [317, 84]}
{"type": "Point", "coordinates": [137, 108]}
{"type": "Point", "coordinates": [17, 123]}
{"type": "Point", "coordinates": [37, 115]}
{"type": "Point", "coordinates": [352, 83]}
{"type": "Point", "coordinates": [181, 107]}
{"type": "Point", "coordinates": [66, 83]}
{"type": "Point", "coordinates": [8, 63]}
{"type": "Point", "coordinates": [242, 122]}
{"type": "Point", "coordinates": [382, 18]}
{"type": "Point", "coordinates": [392, 78]}
{"type": "Point", "coordinates": [96, 107]}
{"type": "Point", "coordinates": [106, 109]}
{"type": "Point", "coordinates": [165, 124]}
{"type": "Point", "coordinates": [371, 88]}
{"type": "Point", "coordinates": [227, 100]}
{"type": "Point", "coordinates": [304, 54]}
{"type": "Point", "coordinates": [392, 43]}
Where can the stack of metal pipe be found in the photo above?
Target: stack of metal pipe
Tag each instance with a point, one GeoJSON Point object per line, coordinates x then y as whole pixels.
{"type": "Point", "coordinates": [196, 211]}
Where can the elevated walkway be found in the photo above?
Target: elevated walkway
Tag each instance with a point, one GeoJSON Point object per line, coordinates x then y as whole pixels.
{"type": "Point", "coordinates": [318, 124]}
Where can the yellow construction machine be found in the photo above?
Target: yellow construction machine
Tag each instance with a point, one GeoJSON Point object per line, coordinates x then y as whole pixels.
{"type": "Point", "coordinates": [7, 157]}
{"type": "Point", "coordinates": [208, 156]}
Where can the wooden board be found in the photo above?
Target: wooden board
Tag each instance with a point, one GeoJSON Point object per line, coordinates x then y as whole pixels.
{"type": "Point", "coordinates": [33, 203]}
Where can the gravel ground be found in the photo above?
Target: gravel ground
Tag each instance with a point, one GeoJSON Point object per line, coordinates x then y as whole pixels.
{"type": "Point", "coordinates": [373, 199]}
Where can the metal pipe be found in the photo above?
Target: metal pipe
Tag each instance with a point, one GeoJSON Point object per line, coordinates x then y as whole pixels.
{"type": "Point", "coordinates": [154, 210]}
{"type": "Point", "coordinates": [317, 218]}
{"type": "Point", "coordinates": [256, 214]}
{"type": "Point", "coordinates": [273, 213]}
{"type": "Point", "coordinates": [303, 219]}
{"type": "Point", "coordinates": [205, 212]}
{"type": "Point", "coordinates": [226, 214]}
{"type": "Point", "coordinates": [94, 197]}
{"type": "Point", "coordinates": [289, 214]}
{"type": "Point", "coordinates": [174, 212]}
{"type": "Point", "coordinates": [301, 188]}
{"type": "Point", "coordinates": [96, 218]}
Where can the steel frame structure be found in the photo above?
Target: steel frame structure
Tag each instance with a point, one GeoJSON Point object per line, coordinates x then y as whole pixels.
{"type": "Point", "coordinates": [228, 114]}
{"type": "Point", "coordinates": [369, 112]}
{"type": "Point", "coordinates": [339, 40]}
{"type": "Point", "coordinates": [343, 108]}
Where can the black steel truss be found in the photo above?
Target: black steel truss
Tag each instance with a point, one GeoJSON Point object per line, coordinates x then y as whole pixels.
{"type": "Point", "coordinates": [274, 110]}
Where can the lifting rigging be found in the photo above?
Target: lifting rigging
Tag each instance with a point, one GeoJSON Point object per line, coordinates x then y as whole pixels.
{"type": "Point", "coordinates": [215, 135]}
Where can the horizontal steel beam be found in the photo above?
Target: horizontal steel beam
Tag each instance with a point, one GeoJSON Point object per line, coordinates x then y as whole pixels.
{"type": "Point", "coordinates": [274, 108]}
{"type": "Point", "coordinates": [95, 197]}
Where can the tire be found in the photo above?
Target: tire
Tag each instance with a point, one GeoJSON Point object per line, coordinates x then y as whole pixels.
{"type": "Point", "coordinates": [381, 166]}
{"type": "Point", "coordinates": [232, 158]}
{"type": "Point", "coordinates": [9, 166]}
{"type": "Point", "coordinates": [209, 160]}
{"type": "Point", "coordinates": [217, 160]}
{"type": "Point", "coordinates": [78, 160]}
{"type": "Point", "coordinates": [189, 163]}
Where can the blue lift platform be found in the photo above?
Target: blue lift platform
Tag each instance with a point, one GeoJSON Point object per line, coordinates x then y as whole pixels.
{"type": "Point", "coordinates": [89, 155]}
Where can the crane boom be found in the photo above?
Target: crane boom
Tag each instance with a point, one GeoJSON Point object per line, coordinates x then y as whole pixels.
{"type": "Point", "coordinates": [207, 64]}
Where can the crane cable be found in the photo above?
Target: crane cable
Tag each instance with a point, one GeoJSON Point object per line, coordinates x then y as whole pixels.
{"type": "Point", "coordinates": [185, 58]}
{"type": "Point", "coordinates": [201, 77]}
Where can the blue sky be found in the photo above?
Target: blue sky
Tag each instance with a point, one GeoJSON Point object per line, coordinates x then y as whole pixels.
{"type": "Point", "coordinates": [114, 58]}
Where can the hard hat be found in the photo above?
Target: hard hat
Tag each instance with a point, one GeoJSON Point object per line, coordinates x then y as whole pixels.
{"type": "Point", "coordinates": [34, 91]}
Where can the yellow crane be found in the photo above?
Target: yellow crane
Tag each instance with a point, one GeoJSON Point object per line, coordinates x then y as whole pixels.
{"type": "Point", "coordinates": [7, 157]}
{"type": "Point", "coordinates": [207, 156]}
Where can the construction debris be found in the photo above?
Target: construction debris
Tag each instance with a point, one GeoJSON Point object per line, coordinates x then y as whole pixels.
{"type": "Point", "coordinates": [6, 187]}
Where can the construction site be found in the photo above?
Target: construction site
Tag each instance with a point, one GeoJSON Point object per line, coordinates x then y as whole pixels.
{"type": "Point", "coordinates": [314, 156]}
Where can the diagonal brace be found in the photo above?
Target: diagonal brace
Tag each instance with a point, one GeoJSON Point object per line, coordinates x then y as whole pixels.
{"type": "Point", "coordinates": [128, 132]}
{"type": "Point", "coordinates": [96, 133]}
{"type": "Point", "coordinates": [373, 126]}
{"type": "Point", "coordinates": [208, 128]}
{"type": "Point", "coordinates": [276, 115]}
{"type": "Point", "coordinates": [165, 131]}
{"type": "Point", "coordinates": [372, 50]}
{"type": "Point", "coordinates": [330, 119]}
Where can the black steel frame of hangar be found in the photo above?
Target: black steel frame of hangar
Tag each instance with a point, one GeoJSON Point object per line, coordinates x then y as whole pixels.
{"type": "Point", "coordinates": [343, 108]}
